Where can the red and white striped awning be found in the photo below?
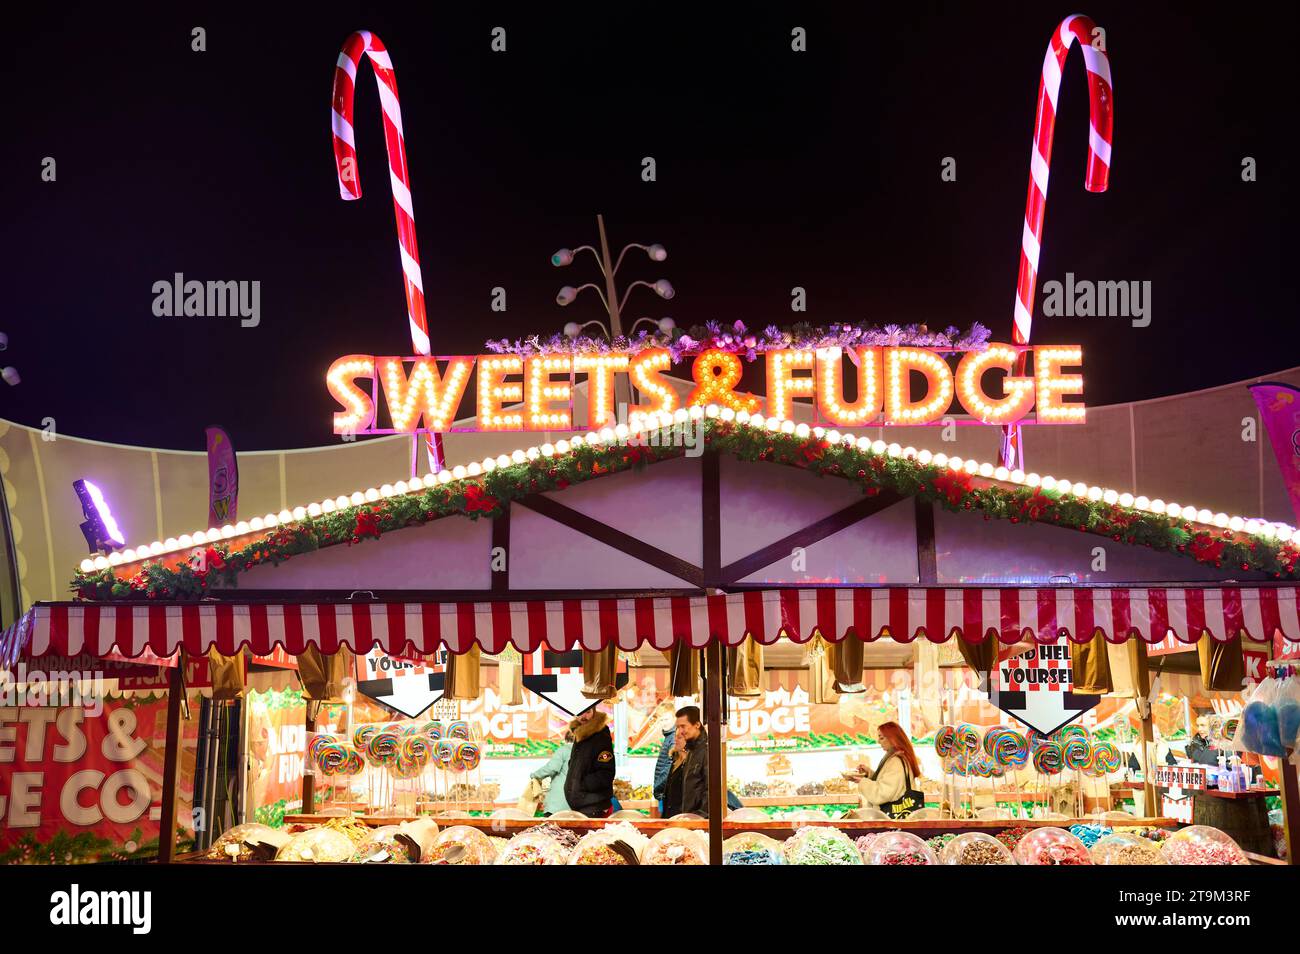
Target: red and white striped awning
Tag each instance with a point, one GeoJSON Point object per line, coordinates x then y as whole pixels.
{"type": "Point", "coordinates": [1013, 614]}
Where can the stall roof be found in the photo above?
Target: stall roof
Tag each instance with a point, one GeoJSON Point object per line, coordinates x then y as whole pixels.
{"type": "Point", "coordinates": [1045, 614]}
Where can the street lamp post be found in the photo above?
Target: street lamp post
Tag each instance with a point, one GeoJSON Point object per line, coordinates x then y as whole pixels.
{"type": "Point", "coordinates": [609, 296]}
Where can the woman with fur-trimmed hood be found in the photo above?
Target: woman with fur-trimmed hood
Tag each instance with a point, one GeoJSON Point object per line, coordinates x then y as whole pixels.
{"type": "Point", "coordinates": [589, 786]}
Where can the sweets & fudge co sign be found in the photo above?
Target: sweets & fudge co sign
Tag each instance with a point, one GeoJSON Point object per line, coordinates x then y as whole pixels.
{"type": "Point", "coordinates": [535, 392]}
{"type": "Point", "coordinates": [1036, 688]}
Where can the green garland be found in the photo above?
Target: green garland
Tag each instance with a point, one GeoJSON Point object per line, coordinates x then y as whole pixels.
{"type": "Point", "coordinates": [490, 495]}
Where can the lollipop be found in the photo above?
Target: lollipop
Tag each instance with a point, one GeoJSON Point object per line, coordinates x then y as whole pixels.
{"type": "Point", "coordinates": [1008, 747]}
{"type": "Point", "coordinates": [1106, 758]}
{"type": "Point", "coordinates": [1073, 731]}
{"type": "Point", "coordinates": [943, 741]}
{"type": "Point", "coordinates": [433, 729]}
{"type": "Point", "coordinates": [382, 747]}
{"type": "Point", "coordinates": [1048, 758]}
{"type": "Point", "coordinates": [1036, 740]}
{"type": "Point", "coordinates": [327, 754]}
{"type": "Point", "coordinates": [1076, 752]}
{"type": "Point", "coordinates": [955, 764]}
{"type": "Point", "coordinates": [362, 734]}
{"type": "Point", "coordinates": [416, 749]}
{"type": "Point", "coordinates": [465, 757]}
{"type": "Point", "coordinates": [457, 730]}
{"type": "Point", "coordinates": [354, 764]}
{"type": "Point", "coordinates": [968, 738]}
{"type": "Point", "coordinates": [443, 751]}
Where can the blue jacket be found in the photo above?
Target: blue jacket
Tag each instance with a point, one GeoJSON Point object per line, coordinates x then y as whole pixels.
{"type": "Point", "coordinates": [557, 770]}
{"type": "Point", "coordinates": [664, 764]}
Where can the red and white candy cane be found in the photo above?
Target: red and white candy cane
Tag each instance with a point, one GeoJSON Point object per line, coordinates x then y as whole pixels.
{"type": "Point", "coordinates": [1101, 106]}
{"type": "Point", "coordinates": [363, 42]}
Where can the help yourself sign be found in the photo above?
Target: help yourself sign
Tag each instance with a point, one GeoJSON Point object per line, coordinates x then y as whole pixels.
{"type": "Point", "coordinates": [1035, 687]}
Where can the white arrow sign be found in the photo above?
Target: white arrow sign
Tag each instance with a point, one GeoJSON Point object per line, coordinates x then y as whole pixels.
{"type": "Point", "coordinates": [556, 676]}
{"type": "Point", "coordinates": [1035, 687]}
{"type": "Point", "coordinates": [407, 685]}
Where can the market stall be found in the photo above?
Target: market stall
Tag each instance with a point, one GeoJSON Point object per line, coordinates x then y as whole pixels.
{"type": "Point", "coordinates": [709, 581]}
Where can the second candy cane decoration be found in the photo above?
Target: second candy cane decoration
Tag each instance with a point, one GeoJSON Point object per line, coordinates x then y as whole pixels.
{"type": "Point", "coordinates": [1101, 107]}
{"type": "Point", "coordinates": [363, 42]}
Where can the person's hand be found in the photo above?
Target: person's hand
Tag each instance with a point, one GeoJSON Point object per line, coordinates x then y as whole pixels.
{"type": "Point", "coordinates": [862, 770]}
{"type": "Point", "coordinates": [679, 743]}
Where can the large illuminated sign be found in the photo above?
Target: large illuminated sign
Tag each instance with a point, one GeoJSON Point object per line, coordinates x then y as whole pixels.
{"type": "Point", "coordinates": [858, 387]}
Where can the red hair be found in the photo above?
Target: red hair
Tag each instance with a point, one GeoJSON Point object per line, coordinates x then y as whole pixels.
{"type": "Point", "coordinates": [894, 734]}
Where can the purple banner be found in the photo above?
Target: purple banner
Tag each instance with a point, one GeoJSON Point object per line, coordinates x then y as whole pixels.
{"type": "Point", "coordinates": [1279, 409]}
{"type": "Point", "coordinates": [223, 479]}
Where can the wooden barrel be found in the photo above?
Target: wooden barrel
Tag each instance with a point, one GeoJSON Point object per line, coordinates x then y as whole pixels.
{"type": "Point", "coordinates": [1244, 820]}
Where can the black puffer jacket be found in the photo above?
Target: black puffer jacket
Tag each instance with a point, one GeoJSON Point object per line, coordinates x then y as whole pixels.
{"type": "Point", "coordinates": [589, 786]}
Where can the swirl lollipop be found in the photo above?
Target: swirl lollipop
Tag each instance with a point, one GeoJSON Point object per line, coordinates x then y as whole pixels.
{"type": "Point", "coordinates": [355, 764]}
{"type": "Point", "coordinates": [1072, 731]}
{"type": "Point", "coordinates": [433, 729]}
{"type": "Point", "coordinates": [944, 740]}
{"type": "Point", "coordinates": [1076, 753]}
{"type": "Point", "coordinates": [458, 730]}
{"type": "Point", "coordinates": [443, 750]}
{"type": "Point", "coordinates": [1036, 740]}
{"type": "Point", "coordinates": [361, 736]}
{"type": "Point", "coordinates": [417, 749]}
{"type": "Point", "coordinates": [382, 747]}
{"type": "Point", "coordinates": [327, 754]}
{"type": "Point", "coordinates": [1106, 758]}
{"type": "Point", "coordinates": [465, 757]}
{"type": "Point", "coordinates": [1008, 747]}
{"type": "Point", "coordinates": [1048, 758]}
{"type": "Point", "coordinates": [968, 738]}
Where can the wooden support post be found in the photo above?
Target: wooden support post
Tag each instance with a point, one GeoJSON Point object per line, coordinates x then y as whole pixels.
{"type": "Point", "coordinates": [714, 655]}
{"type": "Point", "coordinates": [308, 779]}
{"type": "Point", "coordinates": [1143, 687]}
{"type": "Point", "coordinates": [1290, 810]}
{"type": "Point", "coordinates": [171, 763]}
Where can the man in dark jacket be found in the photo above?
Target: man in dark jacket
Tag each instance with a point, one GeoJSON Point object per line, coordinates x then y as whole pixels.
{"type": "Point", "coordinates": [589, 786]}
{"type": "Point", "coordinates": [688, 784]}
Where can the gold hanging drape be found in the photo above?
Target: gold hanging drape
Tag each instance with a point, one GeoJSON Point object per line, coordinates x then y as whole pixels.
{"type": "Point", "coordinates": [1090, 666]}
{"type": "Point", "coordinates": [980, 657]}
{"type": "Point", "coordinates": [510, 678]}
{"type": "Point", "coordinates": [229, 674]}
{"type": "Point", "coordinates": [322, 675]}
{"type": "Point", "coordinates": [847, 659]}
{"type": "Point", "coordinates": [598, 670]}
{"type": "Point", "coordinates": [683, 671]}
{"type": "Point", "coordinates": [821, 675]}
{"type": "Point", "coordinates": [745, 668]}
{"type": "Point", "coordinates": [463, 679]}
{"type": "Point", "coordinates": [1222, 665]}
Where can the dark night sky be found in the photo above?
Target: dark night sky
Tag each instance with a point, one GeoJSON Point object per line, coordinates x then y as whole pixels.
{"type": "Point", "coordinates": [775, 169]}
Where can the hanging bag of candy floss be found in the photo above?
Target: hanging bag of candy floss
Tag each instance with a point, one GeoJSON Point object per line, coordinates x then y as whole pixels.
{"type": "Point", "coordinates": [1259, 731]}
{"type": "Point", "coordinates": [1287, 704]}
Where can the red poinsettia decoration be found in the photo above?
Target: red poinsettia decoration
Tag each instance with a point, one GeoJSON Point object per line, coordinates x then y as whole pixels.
{"type": "Point", "coordinates": [1033, 507]}
{"type": "Point", "coordinates": [479, 500]}
{"type": "Point", "coordinates": [812, 451]}
{"type": "Point", "coordinates": [954, 486]}
{"type": "Point", "coordinates": [367, 525]}
{"type": "Point", "coordinates": [1206, 549]}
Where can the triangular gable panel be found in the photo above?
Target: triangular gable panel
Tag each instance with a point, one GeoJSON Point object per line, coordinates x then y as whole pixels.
{"type": "Point", "coordinates": [763, 502]}
{"type": "Point", "coordinates": [879, 549]}
{"type": "Point", "coordinates": [659, 506]}
{"type": "Point", "coordinates": [447, 554]}
{"type": "Point", "coordinates": [972, 550]}
{"type": "Point", "coordinates": [545, 555]}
